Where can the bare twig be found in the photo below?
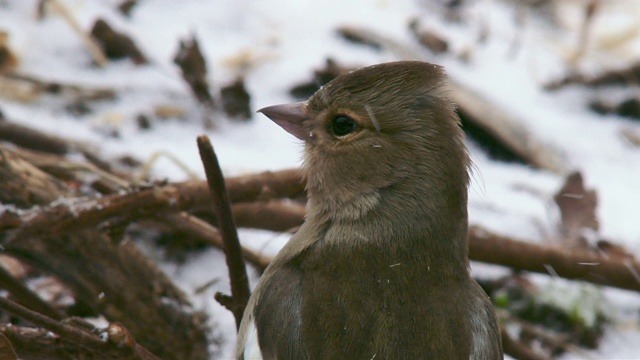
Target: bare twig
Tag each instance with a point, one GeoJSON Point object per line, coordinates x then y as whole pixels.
{"type": "Point", "coordinates": [22, 184]}
{"type": "Point", "coordinates": [204, 231]}
{"type": "Point", "coordinates": [232, 249]}
{"type": "Point", "coordinates": [90, 212]}
{"type": "Point", "coordinates": [35, 343]}
{"type": "Point", "coordinates": [629, 75]}
{"type": "Point", "coordinates": [575, 264]}
{"type": "Point", "coordinates": [155, 156]}
{"type": "Point", "coordinates": [25, 296]}
{"type": "Point", "coordinates": [78, 336]}
{"type": "Point", "coordinates": [120, 342]}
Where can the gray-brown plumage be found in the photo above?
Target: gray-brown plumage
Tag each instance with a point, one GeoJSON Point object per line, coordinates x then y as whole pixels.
{"type": "Point", "coordinates": [379, 270]}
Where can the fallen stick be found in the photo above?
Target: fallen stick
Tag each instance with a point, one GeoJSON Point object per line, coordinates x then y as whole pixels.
{"type": "Point", "coordinates": [83, 213]}
{"type": "Point", "coordinates": [573, 264]}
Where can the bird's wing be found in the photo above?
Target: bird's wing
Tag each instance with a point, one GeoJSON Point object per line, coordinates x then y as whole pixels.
{"type": "Point", "coordinates": [277, 314]}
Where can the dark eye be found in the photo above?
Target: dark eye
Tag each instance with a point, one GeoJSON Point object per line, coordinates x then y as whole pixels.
{"type": "Point", "coordinates": [342, 125]}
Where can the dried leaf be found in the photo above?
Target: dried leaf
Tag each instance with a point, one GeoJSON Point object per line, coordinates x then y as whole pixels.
{"type": "Point", "coordinates": [577, 209]}
{"type": "Point", "coordinates": [236, 100]}
{"type": "Point", "coordinates": [429, 38]}
{"type": "Point", "coordinates": [194, 69]}
{"type": "Point", "coordinates": [322, 76]}
{"type": "Point", "coordinates": [116, 45]}
{"type": "Point", "coordinates": [8, 60]}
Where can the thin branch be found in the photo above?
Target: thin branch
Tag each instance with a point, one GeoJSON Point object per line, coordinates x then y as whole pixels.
{"type": "Point", "coordinates": [25, 296]}
{"type": "Point", "coordinates": [36, 343]}
{"type": "Point", "coordinates": [206, 232]}
{"type": "Point", "coordinates": [120, 343]}
{"type": "Point", "coordinates": [90, 212]}
{"type": "Point", "coordinates": [80, 337]}
{"type": "Point", "coordinates": [574, 264]}
{"type": "Point", "coordinates": [233, 252]}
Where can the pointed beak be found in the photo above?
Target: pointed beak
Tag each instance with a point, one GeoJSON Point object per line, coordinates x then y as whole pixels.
{"type": "Point", "coordinates": [290, 117]}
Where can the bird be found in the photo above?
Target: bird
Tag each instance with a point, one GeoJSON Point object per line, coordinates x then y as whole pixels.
{"type": "Point", "coordinates": [379, 269]}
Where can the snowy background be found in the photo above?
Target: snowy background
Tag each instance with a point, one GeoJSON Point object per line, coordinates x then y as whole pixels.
{"type": "Point", "coordinates": [277, 44]}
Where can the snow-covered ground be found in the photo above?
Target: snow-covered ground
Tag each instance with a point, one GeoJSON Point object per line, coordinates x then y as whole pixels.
{"type": "Point", "coordinates": [283, 41]}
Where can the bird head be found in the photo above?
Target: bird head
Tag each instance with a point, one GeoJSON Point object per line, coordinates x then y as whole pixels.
{"type": "Point", "coordinates": [383, 129]}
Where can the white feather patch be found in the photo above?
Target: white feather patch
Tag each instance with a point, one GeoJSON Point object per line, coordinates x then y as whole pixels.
{"type": "Point", "coordinates": [247, 342]}
{"type": "Point", "coordinates": [251, 346]}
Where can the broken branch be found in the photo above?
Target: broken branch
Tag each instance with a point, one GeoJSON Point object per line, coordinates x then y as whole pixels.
{"type": "Point", "coordinates": [232, 250]}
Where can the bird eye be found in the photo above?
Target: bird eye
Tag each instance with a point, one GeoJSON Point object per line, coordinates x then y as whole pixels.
{"type": "Point", "coordinates": [342, 125]}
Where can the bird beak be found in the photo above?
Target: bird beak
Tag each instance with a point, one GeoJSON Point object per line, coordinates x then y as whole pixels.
{"type": "Point", "coordinates": [290, 117]}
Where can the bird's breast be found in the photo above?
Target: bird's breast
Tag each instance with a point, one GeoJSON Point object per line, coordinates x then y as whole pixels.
{"type": "Point", "coordinates": [366, 304]}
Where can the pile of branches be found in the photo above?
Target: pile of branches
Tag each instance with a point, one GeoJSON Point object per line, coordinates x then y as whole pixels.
{"type": "Point", "coordinates": [74, 224]}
